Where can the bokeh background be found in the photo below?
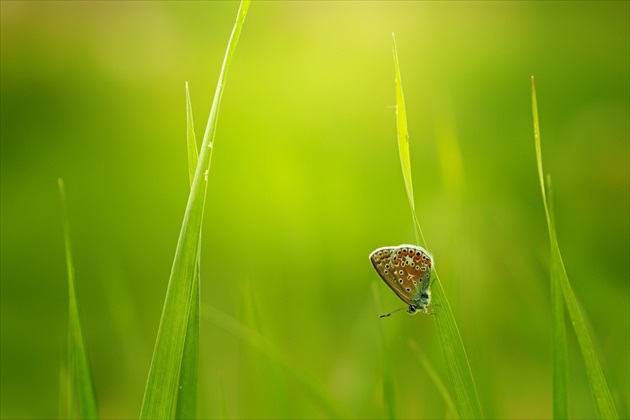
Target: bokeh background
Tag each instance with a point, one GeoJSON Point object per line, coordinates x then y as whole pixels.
{"type": "Point", "coordinates": [305, 183]}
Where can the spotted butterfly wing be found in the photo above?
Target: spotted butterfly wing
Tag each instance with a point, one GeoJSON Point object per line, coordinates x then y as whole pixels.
{"type": "Point", "coordinates": [406, 269]}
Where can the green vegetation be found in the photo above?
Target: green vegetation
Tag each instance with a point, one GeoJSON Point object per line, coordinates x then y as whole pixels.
{"type": "Point", "coordinates": [560, 282]}
{"type": "Point", "coordinates": [273, 312]}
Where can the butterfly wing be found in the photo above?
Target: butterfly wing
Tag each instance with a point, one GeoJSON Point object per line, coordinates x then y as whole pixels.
{"type": "Point", "coordinates": [406, 269]}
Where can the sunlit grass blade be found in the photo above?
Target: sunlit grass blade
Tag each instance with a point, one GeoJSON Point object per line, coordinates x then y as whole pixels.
{"type": "Point", "coordinates": [311, 386]}
{"type": "Point", "coordinates": [459, 373]}
{"type": "Point", "coordinates": [451, 411]}
{"type": "Point", "coordinates": [604, 405]}
{"type": "Point", "coordinates": [388, 384]}
{"type": "Point", "coordinates": [162, 389]}
{"type": "Point", "coordinates": [81, 394]}
{"type": "Point", "coordinates": [187, 398]}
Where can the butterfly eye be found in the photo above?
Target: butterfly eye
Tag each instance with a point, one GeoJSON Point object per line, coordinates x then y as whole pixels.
{"type": "Point", "coordinates": [424, 296]}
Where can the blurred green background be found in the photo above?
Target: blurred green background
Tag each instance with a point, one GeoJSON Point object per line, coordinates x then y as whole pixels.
{"type": "Point", "coordinates": [305, 183]}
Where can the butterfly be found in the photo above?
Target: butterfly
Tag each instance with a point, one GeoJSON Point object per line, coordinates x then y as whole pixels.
{"type": "Point", "coordinates": [406, 269]}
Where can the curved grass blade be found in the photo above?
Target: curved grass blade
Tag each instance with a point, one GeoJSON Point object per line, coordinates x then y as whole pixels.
{"type": "Point", "coordinates": [604, 405]}
{"type": "Point", "coordinates": [80, 383]}
{"type": "Point", "coordinates": [314, 389]}
{"type": "Point", "coordinates": [162, 389]}
{"type": "Point", "coordinates": [459, 373]}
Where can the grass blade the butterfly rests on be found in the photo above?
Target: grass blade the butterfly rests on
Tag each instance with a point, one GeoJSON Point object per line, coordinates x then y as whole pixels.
{"type": "Point", "coordinates": [460, 376]}
{"type": "Point", "coordinates": [163, 382]}
{"type": "Point", "coordinates": [80, 383]}
{"type": "Point", "coordinates": [604, 405]}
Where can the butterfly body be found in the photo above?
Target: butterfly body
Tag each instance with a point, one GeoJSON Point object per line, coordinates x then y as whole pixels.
{"type": "Point", "coordinates": [406, 269]}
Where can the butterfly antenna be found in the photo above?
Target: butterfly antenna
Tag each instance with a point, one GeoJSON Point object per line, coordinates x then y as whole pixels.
{"type": "Point", "coordinates": [396, 310]}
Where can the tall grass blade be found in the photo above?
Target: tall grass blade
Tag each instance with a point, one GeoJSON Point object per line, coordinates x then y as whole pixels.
{"type": "Point", "coordinates": [312, 387]}
{"type": "Point", "coordinates": [188, 378]}
{"type": "Point", "coordinates": [162, 389]}
{"type": "Point", "coordinates": [81, 394]}
{"type": "Point", "coordinates": [604, 405]}
{"type": "Point", "coordinates": [458, 368]}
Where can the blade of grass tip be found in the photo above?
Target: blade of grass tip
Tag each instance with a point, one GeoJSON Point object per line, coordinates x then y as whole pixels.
{"type": "Point", "coordinates": [312, 387]}
{"type": "Point", "coordinates": [80, 383]}
{"type": "Point", "coordinates": [604, 405]}
{"type": "Point", "coordinates": [459, 373]}
{"type": "Point", "coordinates": [558, 334]}
{"type": "Point", "coordinates": [188, 378]}
{"type": "Point", "coordinates": [388, 383]}
{"type": "Point", "coordinates": [448, 400]}
{"type": "Point", "coordinates": [161, 392]}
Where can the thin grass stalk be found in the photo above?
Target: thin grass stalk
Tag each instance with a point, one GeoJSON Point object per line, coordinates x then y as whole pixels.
{"type": "Point", "coordinates": [81, 392]}
{"type": "Point", "coordinates": [604, 405]}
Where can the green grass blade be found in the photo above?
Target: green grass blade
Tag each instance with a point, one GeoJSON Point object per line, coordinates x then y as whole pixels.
{"type": "Point", "coordinates": [559, 336]}
{"type": "Point", "coordinates": [162, 389]}
{"type": "Point", "coordinates": [558, 326]}
{"type": "Point", "coordinates": [403, 144]}
{"type": "Point", "coordinates": [80, 383]}
{"type": "Point", "coordinates": [312, 387]}
{"type": "Point", "coordinates": [188, 378]}
{"type": "Point", "coordinates": [604, 405]}
{"type": "Point", "coordinates": [459, 373]}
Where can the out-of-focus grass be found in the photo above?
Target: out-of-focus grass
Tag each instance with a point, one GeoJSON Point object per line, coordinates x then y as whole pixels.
{"type": "Point", "coordinates": [604, 404]}
{"type": "Point", "coordinates": [389, 393]}
{"type": "Point", "coordinates": [309, 384]}
{"type": "Point", "coordinates": [460, 375]}
{"type": "Point", "coordinates": [81, 394]}
{"type": "Point", "coordinates": [305, 181]}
